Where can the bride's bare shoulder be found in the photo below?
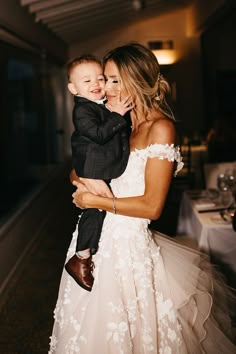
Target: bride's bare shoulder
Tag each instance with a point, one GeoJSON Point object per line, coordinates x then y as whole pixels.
{"type": "Point", "coordinates": [162, 131]}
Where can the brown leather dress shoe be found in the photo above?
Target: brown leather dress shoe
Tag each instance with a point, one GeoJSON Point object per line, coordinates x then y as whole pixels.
{"type": "Point", "coordinates": [81, 271]}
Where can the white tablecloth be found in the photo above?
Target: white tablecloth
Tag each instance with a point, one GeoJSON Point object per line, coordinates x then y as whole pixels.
{"type": "Point", "coordinates": [216, 239]}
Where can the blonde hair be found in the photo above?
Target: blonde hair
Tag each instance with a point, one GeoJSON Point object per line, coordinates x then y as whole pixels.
{"type": "Point", "coordinates": [140, 76]}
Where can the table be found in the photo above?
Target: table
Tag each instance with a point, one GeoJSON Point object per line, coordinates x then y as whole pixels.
{"type": "Point", "coordinates": [218, 240]}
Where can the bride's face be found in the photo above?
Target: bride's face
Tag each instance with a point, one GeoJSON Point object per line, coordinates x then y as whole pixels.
{"type": "Point", "coordinates": [113, 85]}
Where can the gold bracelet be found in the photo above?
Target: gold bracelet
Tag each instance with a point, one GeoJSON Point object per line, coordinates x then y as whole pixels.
{"type": "Point", "coordinates": [114, 205]}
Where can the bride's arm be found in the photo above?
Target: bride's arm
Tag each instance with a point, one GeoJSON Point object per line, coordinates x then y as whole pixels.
{"type": "Point", "coordinates": [149, 205]}
{"type": "Point", "coordinates": [158, 175]}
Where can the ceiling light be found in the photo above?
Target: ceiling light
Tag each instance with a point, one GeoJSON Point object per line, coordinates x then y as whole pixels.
{"type": "Point", "coordinates": [164, 51]}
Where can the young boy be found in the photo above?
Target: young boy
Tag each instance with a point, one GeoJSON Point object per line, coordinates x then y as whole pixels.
{"type": "Point", "coordinates": [100, 150]}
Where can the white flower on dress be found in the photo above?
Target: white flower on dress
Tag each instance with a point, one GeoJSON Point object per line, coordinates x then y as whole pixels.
{"type": "Point", "coordinates": [117, 332]}
{"type": "Point", "coordinates": [132, 309]}
{"type": "Point", "coordinates": [147, 337]}
{"type": "Point", "coordinates": [116, 308]}
{"type": "Point", "coordinates": [172, 334]}
{"type": "Point", "coordinates": [83, 339]}
{"type": "Point", "coordinates": [66, 296]}
{"type": "Point", "coordinates": [75, 323]}
{"type": "Point", "coordinates": [163, 151]}
{"type": "Point", "coordinates": [165, 308]}
{"type": "Point", "coordinates": [59, 315]}
{"type": "Point", "coordinates": [167, 350]}
{"type": "Point", "coordinates": [53, 344]}
{"type": "Point", "coordinates": [72, 346]}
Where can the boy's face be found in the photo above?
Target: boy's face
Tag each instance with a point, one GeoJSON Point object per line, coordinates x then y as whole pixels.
{"type": "Point", "coordinates": [87, 80]}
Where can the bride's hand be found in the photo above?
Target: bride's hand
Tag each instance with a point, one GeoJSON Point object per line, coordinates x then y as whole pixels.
{"type": "Point", "coordinates": [79, 196]}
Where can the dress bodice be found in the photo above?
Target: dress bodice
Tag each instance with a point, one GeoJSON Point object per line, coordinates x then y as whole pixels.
{"type": "Point", "coordinates": [131, 182]}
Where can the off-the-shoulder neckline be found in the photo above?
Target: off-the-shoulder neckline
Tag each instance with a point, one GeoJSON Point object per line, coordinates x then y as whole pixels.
{"type": "Point", "coordinates": [148, 146]}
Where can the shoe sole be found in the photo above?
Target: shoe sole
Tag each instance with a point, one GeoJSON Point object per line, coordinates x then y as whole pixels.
{"type": "Point", "coordinates": [80, 284]}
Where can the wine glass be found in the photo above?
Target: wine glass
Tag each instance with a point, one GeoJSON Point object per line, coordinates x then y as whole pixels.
{"type": "Point", "coordinates": [222, 182]}
{"type": "Point", "coordinates": [223, 187]}
{"type": "Point", "coordinates": [231, 176]}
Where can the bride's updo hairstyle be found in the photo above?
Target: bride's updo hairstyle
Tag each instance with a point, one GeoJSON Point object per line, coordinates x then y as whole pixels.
{"type": "Point", "coordinates": [140, 77]}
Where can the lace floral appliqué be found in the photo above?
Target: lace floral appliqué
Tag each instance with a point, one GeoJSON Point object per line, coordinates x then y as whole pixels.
{"type": "Point", "coordinates": [163, 151]}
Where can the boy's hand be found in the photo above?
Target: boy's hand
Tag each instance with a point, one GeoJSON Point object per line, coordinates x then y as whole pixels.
{"type": "Point", "coordinates": [73, 176]}
{"type": "Point", "coordinates": [97, 186]}
{"type": "Point", "coordinates": [122, 105]}
{"type": "Point", "coordinates": [80, 187]}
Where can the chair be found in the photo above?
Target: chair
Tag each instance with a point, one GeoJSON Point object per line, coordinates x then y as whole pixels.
{"type": "Point", "coordinates": [212, 170]}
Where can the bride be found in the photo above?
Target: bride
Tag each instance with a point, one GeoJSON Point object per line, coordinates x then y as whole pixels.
{"type": "Point", "coordinates": [150, 295]}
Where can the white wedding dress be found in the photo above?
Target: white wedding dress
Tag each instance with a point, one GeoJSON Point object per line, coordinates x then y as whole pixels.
{"type": "Point", "coordinates": [150, 295]}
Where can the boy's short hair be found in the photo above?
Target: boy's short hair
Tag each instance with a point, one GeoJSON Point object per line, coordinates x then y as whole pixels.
{"type": "Point", "coordinates": [85, 58]}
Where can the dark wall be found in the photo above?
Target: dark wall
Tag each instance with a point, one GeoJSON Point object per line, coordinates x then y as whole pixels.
{"type": "Point", "coordinates": [219, 77]}
{"type": "Point", "coordinates": [219, 69]}
{"type": "Point", "coordinates": [27, 121]}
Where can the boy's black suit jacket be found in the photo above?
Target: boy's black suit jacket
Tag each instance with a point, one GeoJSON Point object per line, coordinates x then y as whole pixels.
{"type": "Point", "coordinates": [100, 141]}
